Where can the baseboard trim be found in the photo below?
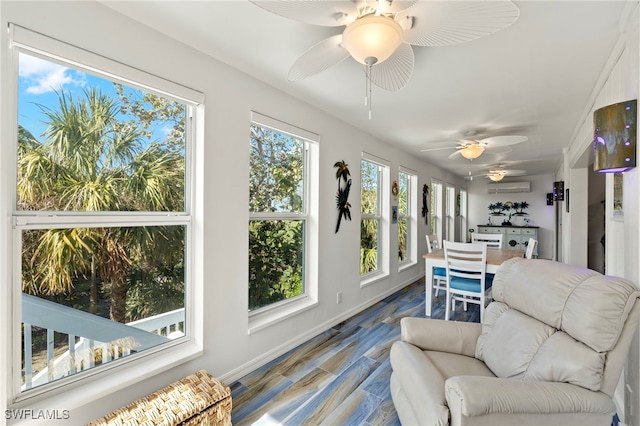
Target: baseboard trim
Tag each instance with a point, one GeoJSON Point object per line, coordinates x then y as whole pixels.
{"type": "Point", "coordinates": [254, 364]}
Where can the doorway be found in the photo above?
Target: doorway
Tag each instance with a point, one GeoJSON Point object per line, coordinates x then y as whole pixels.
{"type": "Point", "coordinates": [596, 221]}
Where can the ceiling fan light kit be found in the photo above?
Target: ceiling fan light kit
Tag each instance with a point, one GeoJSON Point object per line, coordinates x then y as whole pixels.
{"type": "Point", "coordinates": [372, 39]}
{"type": "Point", "coordinates": [472, 151]}
{"type": "Point", "coordinates": [496, 177]}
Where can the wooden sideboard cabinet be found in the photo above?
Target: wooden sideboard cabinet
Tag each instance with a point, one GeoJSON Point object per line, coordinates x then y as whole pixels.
{"type": "Point", "coordinates": [514, 236]}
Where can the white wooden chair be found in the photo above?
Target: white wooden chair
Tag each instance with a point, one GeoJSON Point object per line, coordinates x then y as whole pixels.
{"type": "Point", "coordinates": [531, 248]}
{"type": "Point", "coordinates": [492, 240]}
{"type": "Point", "coordinates": [466, 267]}
{"type": "Point", "coordinates": [439, 274]}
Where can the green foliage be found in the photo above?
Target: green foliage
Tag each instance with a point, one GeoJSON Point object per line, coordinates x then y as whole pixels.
{"type": "Point", "coordinates": [276, 247]}
{"type": "Point", "coordinates": [94, 159]}
{"type": "Point", "coordinates": [368, 246]}
{"type": "Point", "coordinates": [275, 261]}
{"type": "Point", "coordinates": [276, 172]}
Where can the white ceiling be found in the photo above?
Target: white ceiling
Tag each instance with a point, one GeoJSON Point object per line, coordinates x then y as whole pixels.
{"type": "Point", "coordinates": [533, 78]}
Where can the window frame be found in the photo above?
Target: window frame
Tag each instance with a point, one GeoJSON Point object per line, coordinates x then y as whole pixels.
{"type": "Point", "coordinates": [126, 371]}
{"type": "Point", "coordinates": [450, 209]}
{"type": "Point", "coordinates": [464, 224]}
{"type": "Point", "coordinates": [436, 205]}
{"type": "Point", "coordinates": [382, 216]}
{"type": "Point", "coordinates": [278, 311]}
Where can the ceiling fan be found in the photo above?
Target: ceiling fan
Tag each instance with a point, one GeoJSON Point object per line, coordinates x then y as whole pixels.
{"type": "Point", "coordinates": [471, 148]}
{"type": "Point", "coordinates": [379, 33]}
{"type": "Point", "coordinates": [497, 173]}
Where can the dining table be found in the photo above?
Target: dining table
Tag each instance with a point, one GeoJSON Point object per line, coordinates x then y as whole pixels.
{"type": "Point", "coordinates": [495, 258]}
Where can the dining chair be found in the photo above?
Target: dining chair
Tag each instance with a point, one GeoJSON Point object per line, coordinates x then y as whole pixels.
{"type": "Point", "coordinates": [492, 240]}
{"type": "Point", "coordinates": [531, 248]}
{"type": "Point", "coordinates": [466, 267]}
{"type": "Point", "coordinates": [439, 274]}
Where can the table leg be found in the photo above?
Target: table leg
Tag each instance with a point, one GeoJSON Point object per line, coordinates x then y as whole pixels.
{"type": "Point", "coordinates": [428, 286]}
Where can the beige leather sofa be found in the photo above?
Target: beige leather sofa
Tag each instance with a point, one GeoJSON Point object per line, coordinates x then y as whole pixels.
{"type": "Point", "coordinates": [550, 352]}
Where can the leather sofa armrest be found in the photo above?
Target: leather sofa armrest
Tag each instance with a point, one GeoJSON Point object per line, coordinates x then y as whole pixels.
{"type": "Point", "coordinates": [439, 335]}
{"type": "Point", "coordinates": [476, 395]}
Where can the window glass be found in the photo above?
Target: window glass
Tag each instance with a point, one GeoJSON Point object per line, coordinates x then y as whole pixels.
{"type": "Point", "coordinates": [404, 213]}
{"type": "Point", "coordinates": [89, 144]}
{"type": "Point", "coordinates": [102, 273]}
{"type": "Point", "coordinates": [278, 214]}
{"type": "Point", "coordinates": [371, 217]}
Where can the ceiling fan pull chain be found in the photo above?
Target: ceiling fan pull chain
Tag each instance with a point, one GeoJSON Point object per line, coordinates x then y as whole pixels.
{"type": "Point", "coordinates": [369, 62]}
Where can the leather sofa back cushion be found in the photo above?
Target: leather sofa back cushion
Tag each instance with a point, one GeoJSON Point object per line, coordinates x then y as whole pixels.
{"type": "Point", "coordinates": [590, 307]}
{"type": "Point", "coordinates": [515, 345]}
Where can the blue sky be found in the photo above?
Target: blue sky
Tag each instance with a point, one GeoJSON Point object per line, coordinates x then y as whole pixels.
{"type": "Point", "coordinates": [38, 81]}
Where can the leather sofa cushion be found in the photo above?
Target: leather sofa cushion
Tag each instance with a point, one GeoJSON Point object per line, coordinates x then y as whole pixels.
{"type": "Point", "coordinates": [515, 345]}
{"type": "Point", "coordinates": [568, 299]}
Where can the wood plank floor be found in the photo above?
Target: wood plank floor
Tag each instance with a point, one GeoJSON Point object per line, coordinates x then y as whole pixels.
{"type": "Point", "coordinates": [340, 377]}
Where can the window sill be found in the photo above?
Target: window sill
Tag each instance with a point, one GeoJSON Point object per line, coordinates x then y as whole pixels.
{"type": "Point", "coordinates": [75, 394]}
{"type": "Point", "coordinates": [368, 280]}
{"type": "Point", "coordinates": [407, 265]}
{"type": "Point", "coordinates": [265, 319]}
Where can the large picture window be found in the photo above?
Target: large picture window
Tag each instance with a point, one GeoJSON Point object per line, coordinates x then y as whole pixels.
{"type": "Point", "coordinates": [102, 216]}
{"type": "Point", "coordinates": [278, 211]}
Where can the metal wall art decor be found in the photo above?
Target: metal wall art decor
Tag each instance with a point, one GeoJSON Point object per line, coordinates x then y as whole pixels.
{"type": "Point", "coordinates": [425, 203]}
{"type": "Point", "coordinates": [614, 137]}
{"type": "Point", "coordinates": [342, 199]}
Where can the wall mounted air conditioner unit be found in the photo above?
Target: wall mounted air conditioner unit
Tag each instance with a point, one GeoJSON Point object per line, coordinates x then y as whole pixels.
{"type": "Point", "coordinates": [508, 187]}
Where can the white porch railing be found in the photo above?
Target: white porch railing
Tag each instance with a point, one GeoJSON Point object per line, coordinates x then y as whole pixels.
{"type": "Point", "coordinates": [93, 340]}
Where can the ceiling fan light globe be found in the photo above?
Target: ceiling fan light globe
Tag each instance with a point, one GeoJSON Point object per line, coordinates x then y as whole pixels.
{"type": "Point", "coordinates": [472, 151]}
{"type": "Point", "coordinates": [372, 37]}
{"type": "Point", "coordinates": [497, 177]}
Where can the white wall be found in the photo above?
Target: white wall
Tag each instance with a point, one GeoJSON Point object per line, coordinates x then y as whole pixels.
{"type": "Point", "coordinates": [618, 82]}
{"type": "Point", "coordinates": [230, 351]}
{"type": "Point", "coordinates": [539, 213]}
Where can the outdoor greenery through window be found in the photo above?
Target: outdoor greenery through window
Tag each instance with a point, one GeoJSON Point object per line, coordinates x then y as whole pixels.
{"type": "Point", "coordinates": [102, 216]}
{"type": "Point", "coordinates": [404, 219]}
{"type": "Point", "coordinates": [371, 218]}
{"type": "Point", "coordinates": [278, 216]}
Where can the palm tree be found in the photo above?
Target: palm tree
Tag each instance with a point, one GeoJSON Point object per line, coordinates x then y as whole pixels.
{"type": "Point", "coordinates": [91, 161]}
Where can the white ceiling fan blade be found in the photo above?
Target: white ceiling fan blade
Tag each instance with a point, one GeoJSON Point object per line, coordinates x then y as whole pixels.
{"type": "Point", "coordinates": [504, 140]}
{"type": "Point", "coordinates": [394, 73]}
{"type": "Point", "coordinates": [318, 58]}
{"type": "Point", "coordinates": [438, 149]}
{"type": "Point", "coordinates": [327, 13]}
{"type": "Point", "coordinates": [456, 154]}
{"type": "Point", "coordinates": [443, 23]}
{"type": "Point", "coordinates": [508, 172]}
{"type": "Point", "coordinates": [492, 149]}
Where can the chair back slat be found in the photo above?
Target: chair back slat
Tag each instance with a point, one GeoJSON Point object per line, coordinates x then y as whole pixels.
{"type": "Point", "coordinates": [492, 240]}
{"type": "Point", "coordinates": [466, 260]}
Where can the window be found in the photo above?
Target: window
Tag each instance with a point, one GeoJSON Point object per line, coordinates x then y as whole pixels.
{"type": "Point", "coordinates": [373, 234]}
{"type": "Point", "coordinates": [406, 217]}
{"type": "Point", "coordinates": [450, 213]}
{"type": "Point", "coordinates": [436, 209]}
{"type": "Point", "coordinates": [102, 216]}
{"type": "Point", "coordinates": [279, 212]}
{"type": "Point", "coordinates": [462, 206]}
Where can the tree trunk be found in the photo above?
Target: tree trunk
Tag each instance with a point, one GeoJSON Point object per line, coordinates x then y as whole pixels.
{"type": "Point", "coordinates": [93, 302]}
{"type": "Point", "coordinates": [118, 310]}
